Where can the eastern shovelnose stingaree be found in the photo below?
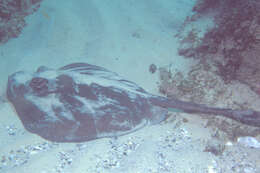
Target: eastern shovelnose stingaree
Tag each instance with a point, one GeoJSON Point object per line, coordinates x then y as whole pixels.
{"type": "Point", "coordinates": [81, 102]}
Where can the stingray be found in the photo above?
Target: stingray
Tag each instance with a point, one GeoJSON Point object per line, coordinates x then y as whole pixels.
{"type": "Point", "coordinates": [81, 102]}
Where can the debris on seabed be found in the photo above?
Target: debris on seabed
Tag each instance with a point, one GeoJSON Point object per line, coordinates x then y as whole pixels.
{"type": "Point", "coordinates": [248, 141]}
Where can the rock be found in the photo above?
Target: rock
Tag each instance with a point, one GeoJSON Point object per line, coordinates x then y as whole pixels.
{"type": "Point", "coordinates": [12, 14]}
{"type": "Point", "coordinates": [152, 68]}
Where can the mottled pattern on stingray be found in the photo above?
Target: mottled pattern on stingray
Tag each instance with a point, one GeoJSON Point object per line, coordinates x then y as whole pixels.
{"type": "Point", "coordinates": [80, 102]}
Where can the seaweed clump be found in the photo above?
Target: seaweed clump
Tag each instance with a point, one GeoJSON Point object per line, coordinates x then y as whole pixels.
{"type": "Point", "coordinates": [233, 43]}
{"type": "Point", "coordinates": [202, 86]}
{"type": "Point", "coordinates": [12, 14]}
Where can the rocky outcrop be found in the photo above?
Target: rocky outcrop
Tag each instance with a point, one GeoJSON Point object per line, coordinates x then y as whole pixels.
{"type": "Point", "coordinates": [12, 17]}
{"type": "Point", "coordinates": [233, 44]}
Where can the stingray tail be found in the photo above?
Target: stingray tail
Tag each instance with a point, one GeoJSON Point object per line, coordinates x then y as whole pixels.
{"type": "Point", "coordinates": [249, 117]}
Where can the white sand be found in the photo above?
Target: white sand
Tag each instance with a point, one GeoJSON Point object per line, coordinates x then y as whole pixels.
{"type": "Point", "coordinates": [125, 36]}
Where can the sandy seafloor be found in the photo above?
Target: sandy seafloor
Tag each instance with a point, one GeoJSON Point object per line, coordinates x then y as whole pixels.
{"type": "Point", "coordinates": [125, 37]}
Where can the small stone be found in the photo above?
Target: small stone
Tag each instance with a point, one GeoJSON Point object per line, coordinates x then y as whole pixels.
{"type": "Point", "coordinates": [152, 68]}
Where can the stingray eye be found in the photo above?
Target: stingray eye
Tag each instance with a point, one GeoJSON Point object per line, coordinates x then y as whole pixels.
{"type": "Point", "coordinates": [39, 85]}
